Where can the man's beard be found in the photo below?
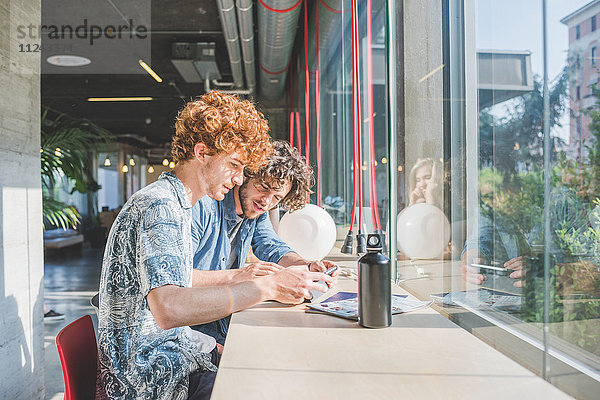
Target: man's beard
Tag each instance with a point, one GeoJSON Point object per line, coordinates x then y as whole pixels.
{"type": "Point", "coordinates": [244, 199]}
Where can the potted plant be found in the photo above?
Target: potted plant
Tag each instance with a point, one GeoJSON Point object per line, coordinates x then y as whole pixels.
{"type": "Point", "coordinates": [67, 146]}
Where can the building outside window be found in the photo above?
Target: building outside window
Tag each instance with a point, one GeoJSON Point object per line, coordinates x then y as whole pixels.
{"type": "Point", "coordinates": [594, 56]}
{"type": "Point", "coordinates": [593, 23]}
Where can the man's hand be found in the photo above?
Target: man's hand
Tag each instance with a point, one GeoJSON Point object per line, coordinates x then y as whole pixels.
{"type": "Point", "coordinates": [292, 285]}
{"type": "Point", "coordinates": [255, 270]}
{"type": "Point", "coordinates": [294, 259]}
{"type": "Point", "coordinates": [322, 266]}
{"type": "Point", "coordinates": [471, 274]}
{"type": "Point", "coordinates": [516, 264]}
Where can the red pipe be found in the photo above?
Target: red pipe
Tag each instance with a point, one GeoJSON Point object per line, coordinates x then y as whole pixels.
{"type": "Point", "coordinates": [298, 132]}
{"type": "Point", "coordinates": [372, 174]}
{"type": "Point", "coordinates": [298, 138]}
{"type": "Point", "coordinates": [354, 155]}
{"type": "Point", "coordinates": [291, 106]}
{"type": "Point", "coordinates": [318, 111]}
{"type": "Point", "coordinates": [306, 94]}
{"type": "Point", "coordinates": [358, 108]}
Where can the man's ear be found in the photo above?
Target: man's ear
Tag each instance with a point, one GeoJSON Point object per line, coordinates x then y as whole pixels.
{"type": "Point", "coordinates": [199, 151]}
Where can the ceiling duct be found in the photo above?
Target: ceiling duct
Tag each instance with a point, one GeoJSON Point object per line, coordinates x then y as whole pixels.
{"type": "Point", "coordinates": [276, 35]}
{"type": "Point", "coordinates": [246, 24]}
{"type": "Point", "coordinates": [333, 15]}
{"type": "Point", "coordinates": [335, 31]}
{"type": "Point", "coordinates": [195, 62]}
{"type": "Point", "coordinates": [232, 39]}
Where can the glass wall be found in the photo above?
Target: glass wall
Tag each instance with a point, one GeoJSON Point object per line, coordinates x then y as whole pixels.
{"type": "Point", "coordinates": [498, 163]}
{"type": "Point", "coordinates": [518, 184]}
{"type": "Point", "coordinates": [338, 118]}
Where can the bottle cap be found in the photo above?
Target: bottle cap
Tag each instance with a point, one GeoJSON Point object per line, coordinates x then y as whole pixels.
{"type": "Point", "coordinates": [374, 243]}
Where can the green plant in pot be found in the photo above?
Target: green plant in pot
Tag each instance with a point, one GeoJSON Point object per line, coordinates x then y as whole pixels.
{"type": "Point", "coordinates": [67, 150]}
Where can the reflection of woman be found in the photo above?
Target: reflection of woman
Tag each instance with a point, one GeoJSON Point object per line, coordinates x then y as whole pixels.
{"type": "Point", "coordinates": [424, 183]}
{"type": "Point", "coordinates": [425, 187]}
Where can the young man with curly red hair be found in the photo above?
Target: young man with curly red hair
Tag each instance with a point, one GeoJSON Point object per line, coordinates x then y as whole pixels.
{"type": "Point", "coordinates": [147, 302]}
{"type": "Point", "coordinates": [224, 231]}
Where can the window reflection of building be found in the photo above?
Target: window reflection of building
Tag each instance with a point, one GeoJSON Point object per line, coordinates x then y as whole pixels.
{"type": "Point", "coordinates": [583, 40]}
{"type": "Point", "coordinates": [515, 212]}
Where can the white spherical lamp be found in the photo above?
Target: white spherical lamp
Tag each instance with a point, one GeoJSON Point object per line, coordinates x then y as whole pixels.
{"type": "Point", "coordinates": [309, 231]}
{"type": "Point", "coordinates": [423, 231]}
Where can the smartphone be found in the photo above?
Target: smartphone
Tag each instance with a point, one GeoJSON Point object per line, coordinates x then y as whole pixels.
{"type": "Point", "coordinates": [317, 293]}
{"type": "Point", "coordinates": [489, 269]}
{"type": "Point", "coordinates": [331, 270]}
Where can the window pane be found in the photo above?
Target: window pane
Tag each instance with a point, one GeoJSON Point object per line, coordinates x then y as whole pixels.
{"type": "Point", "coordinates": [531, 257]}
{"type": "Point", "coordinates": [338, 117]}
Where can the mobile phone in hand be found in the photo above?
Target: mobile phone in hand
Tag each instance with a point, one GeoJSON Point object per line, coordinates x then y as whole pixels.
{"type": "Point", "coordinates": [317, 293]}
{"type": "Point", "coordinates": [331, 270]}
{"type": "Point", "coordinates": [492, 270]}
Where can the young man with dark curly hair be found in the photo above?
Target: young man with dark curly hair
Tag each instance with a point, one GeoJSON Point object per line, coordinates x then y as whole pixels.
{"type": "Point", "coordinates": [147, 301]}
{"type": "Point", "coordinates": [224, 231]}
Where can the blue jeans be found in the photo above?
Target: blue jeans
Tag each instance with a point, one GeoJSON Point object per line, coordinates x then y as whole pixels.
{"type": "Point", "coordinates": [216, 329]}
{"type": "Point", "coordinates": [202, 382]}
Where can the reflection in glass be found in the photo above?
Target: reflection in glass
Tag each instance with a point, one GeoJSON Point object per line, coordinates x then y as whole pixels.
{"type": "Point", "coordinates": [507, 251]}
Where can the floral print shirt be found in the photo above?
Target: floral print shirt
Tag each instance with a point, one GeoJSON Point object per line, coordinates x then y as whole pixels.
{"type": "Point", "coordinates": [149, 246]}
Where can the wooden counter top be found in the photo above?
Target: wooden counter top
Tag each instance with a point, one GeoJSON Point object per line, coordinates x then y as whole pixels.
{"type": "Point", "coordinates": [275, 351]}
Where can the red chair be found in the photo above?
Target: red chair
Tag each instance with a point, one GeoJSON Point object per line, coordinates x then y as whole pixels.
{"type": "Point", "coordinates": [78, 352]}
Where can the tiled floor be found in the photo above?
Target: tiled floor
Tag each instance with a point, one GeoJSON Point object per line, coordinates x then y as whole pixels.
{"type": "Point", "coordinates": [71, 279]}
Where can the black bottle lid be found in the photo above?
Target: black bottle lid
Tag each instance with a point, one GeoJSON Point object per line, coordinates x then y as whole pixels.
{"type": "Point", "coordinates": [374, 243]}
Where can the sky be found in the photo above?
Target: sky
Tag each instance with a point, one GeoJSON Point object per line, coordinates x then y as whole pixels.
{"type": "Point", "coordinates": [517, 25]}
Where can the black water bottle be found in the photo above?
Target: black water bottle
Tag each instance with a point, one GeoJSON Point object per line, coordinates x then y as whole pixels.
{"type": "Point", "coordinates": [374, 286]}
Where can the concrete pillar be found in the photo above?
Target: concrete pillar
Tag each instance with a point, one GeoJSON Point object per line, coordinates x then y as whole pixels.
{"type": "Point", "coordinates": [21, 252]}
{"type": "Point", "coordinates": [423, 83]}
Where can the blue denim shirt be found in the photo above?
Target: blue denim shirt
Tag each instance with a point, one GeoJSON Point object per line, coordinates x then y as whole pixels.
{"type": "Point", "coordinates": [211, 222]}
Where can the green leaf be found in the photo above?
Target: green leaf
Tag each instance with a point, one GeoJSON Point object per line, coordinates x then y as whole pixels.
{"type": "Point", "coordinates": [67, 145]}
{"type": "Point", "coordinates": [59, 214]}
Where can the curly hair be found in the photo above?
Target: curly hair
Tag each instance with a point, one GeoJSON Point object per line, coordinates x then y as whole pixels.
{"type": "Point", "coordinates": [222, 122]}
{"type": "Point", "coordinates": [287, 165]}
